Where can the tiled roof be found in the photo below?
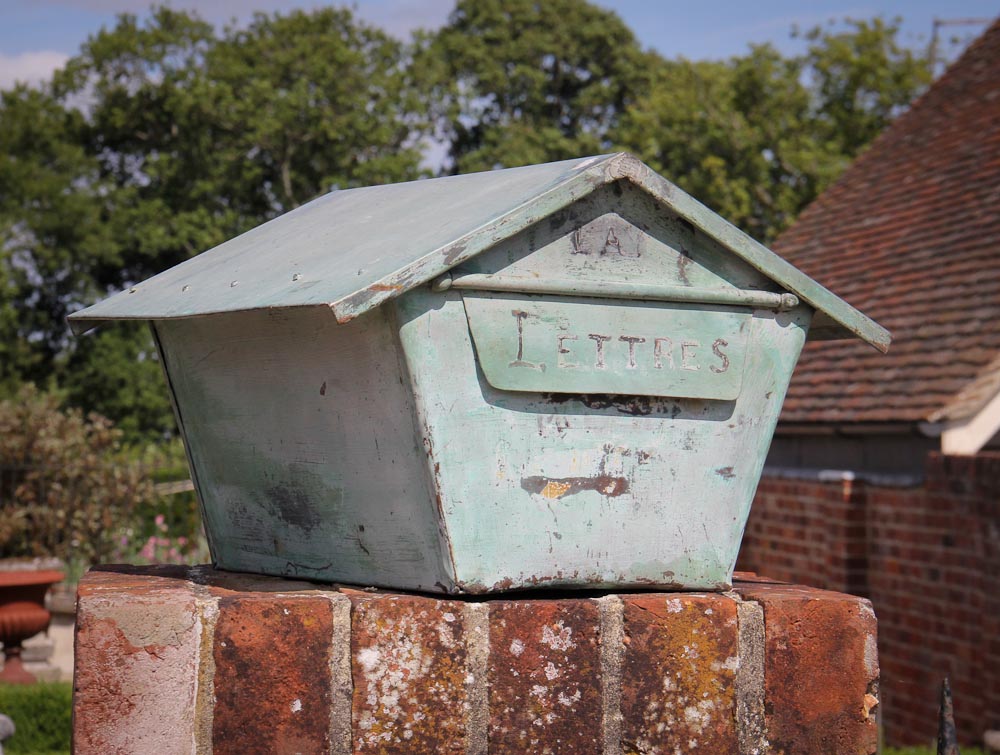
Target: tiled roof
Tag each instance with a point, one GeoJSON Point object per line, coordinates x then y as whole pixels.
{"type": "Point", "coordinates": [910, 235]}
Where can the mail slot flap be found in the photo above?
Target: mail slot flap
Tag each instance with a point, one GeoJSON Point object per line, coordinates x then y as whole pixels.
{"type": "Point", "coordinates": [567, 345]}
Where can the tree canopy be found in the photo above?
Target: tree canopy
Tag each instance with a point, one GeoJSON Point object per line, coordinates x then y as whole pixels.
{"type": "Point", "coordinates": [757, 137]}
{"type": "Point", "coordinates": [165, 136]}
{"type": "Point", "coordinates": [519, 82]}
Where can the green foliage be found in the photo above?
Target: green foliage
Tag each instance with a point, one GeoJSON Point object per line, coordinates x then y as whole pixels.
{"type": "Point", "coordinates": [189, 137]}
{"type": "Point", "coordinates": [522, 82]}
{"type": "Point", "coordinates": [930, 750]}
{"type": "Point", "coordinates": [861, 78]}
{"type": "Point", "coordinates": [42, 714]}
{"type": "Point", "coordinates": [205, 136]}
{"type": "Point", "coordinates": [168, 528]}
{"type": "Point", "coordinates": [66, 489]}
{"type": "Point", "coordinates": [115, 371]}
{"type": "Point", "coordinates": [173, 535]}
{"type": "Point", "coordinates": [52, 236]}
{"type": "Point", "coordinates": [759, 136]}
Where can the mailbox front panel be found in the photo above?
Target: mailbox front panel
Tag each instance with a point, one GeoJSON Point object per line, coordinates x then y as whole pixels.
{"type": "Point", "coordinates": [602, 439]}
{"type": "Point", "coordinates": [590, 489]}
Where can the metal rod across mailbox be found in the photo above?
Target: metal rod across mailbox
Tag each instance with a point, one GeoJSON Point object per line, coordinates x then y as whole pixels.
{"type": "Point", "coordinates": [618, 290]}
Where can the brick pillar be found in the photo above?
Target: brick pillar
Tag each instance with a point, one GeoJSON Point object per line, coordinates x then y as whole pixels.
{"type": "Point", "coordinates": [173, 660]}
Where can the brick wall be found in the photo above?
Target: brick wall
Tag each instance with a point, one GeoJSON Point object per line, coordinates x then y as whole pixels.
{"type": "Point", "coordinates": [928, 557]}
{"type": "Point", "coordinates": [176, 660]}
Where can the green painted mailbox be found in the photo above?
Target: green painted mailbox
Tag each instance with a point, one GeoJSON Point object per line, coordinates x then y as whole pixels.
{"type": "Point", "coordinates": [559, 375]}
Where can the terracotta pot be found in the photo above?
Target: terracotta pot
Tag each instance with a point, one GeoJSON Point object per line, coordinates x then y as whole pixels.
{"type": "Point", "coordinates": [22, 615]}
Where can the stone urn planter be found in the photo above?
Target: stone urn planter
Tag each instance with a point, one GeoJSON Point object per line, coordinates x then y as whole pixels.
{"type": "Point", "coordinates": [22, 613]}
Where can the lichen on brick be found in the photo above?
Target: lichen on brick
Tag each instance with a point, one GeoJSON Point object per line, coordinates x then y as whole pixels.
{"type": "Point", "coordinates": [410, 675]}
{"type": "Point", "coordinates": [680, 662]}
{"type": "Point", "coordinates": [544, 677]}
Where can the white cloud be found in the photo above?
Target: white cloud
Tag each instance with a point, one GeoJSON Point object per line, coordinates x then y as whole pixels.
{"type": "Point", "coordinates": [31, 67]}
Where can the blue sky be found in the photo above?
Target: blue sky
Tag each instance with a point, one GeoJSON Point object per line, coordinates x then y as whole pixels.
{"type": "Point", "coordinates": [37, 35]}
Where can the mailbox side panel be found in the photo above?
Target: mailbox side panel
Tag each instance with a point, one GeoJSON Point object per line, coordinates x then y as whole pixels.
{"type": "Point", "coordinates": [301, 438]}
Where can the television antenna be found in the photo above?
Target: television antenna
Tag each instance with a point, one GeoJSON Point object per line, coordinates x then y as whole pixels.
{"type": "Point", "coordinates": [940, 23]}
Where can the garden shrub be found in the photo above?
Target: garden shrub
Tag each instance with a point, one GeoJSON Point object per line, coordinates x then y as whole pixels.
{"type": "Point", "coordinates": [66, 487]}
{"type": "Point", "coordinates": [168, 528]}
{"type": "Point", "coordinates": [43, 715]}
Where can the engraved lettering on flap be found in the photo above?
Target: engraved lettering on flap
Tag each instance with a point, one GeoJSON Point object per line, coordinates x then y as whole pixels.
{"type": "Point", "coordinates": [562, 351]}
{"type": "Point", "coordinates": [519, 361]}
{"type": "Point", "coordinates": [717, 350]}
{"type": "Point", "coordinates": [688, 355]}
{"type": "Point", "coordinates": [663, 348]}
{"type": "Point", "coordinates": [593, 348]}
{"type": "Point", "coordinates": [599, 340]}
{"type": "Point", "coordinates": [631, 341]}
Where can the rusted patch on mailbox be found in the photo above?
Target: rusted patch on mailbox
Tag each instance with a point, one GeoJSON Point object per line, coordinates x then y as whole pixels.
{"type": "Point", "coordinates": [592, 346]}
{"type": "Point", "coordinates": [555, 488]}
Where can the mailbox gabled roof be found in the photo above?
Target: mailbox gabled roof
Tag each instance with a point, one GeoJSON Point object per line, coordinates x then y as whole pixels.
{"type": "Point", "coordinates": [352, 250]}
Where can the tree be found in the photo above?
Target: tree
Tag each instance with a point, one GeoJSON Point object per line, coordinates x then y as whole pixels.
{"type": "Point", "coordinates": [520, 81]}
{"type": "Point", "coordinates": [115, 371]}
{"type": "Point", "coordinates": [862, 78]}
{"type": "Point", "coordinates": [188, 138]}
{"type": "Point", "coordinates": [52, 232]}
{"type": "Point", "coordinates": [736, 135]}
{"type": "Point", "coordinates": [205, 137]}
{"type": "Point", "coordinates": [757, 137]}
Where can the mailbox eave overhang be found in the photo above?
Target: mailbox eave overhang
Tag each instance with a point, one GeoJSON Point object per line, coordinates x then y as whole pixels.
{"type": "Point", "coordinates": [352, 250]}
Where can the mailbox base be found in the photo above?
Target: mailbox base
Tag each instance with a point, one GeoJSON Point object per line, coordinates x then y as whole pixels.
{"type": "Point", "coordinates": [171, 659]}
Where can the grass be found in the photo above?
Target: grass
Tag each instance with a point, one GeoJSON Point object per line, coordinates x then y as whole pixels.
{"type": "Point", "coordinates": [42, 714]}
{"type": "Point", "coordinates": [927, 751]}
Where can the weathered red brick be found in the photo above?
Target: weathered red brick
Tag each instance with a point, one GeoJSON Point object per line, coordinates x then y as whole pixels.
{"type": "Point", "coordinates": [821, 678]}
{"type": "Point", "coordinates": [679, 674]}
{"type": "Point", "coordinates": [145, 579]}
{"type": "Point", "coordinates": [138, 640]}
{"type": "Point", "coordinates": [272, 674]}
{"type": "Point", "coordinates": [410, 668]}
{"type": "Point", "coordinates": [544, 677]}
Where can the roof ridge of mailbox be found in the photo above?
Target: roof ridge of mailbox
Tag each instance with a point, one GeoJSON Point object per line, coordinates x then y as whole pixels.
{"type": "Point", "coordinates": [354, 249]}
